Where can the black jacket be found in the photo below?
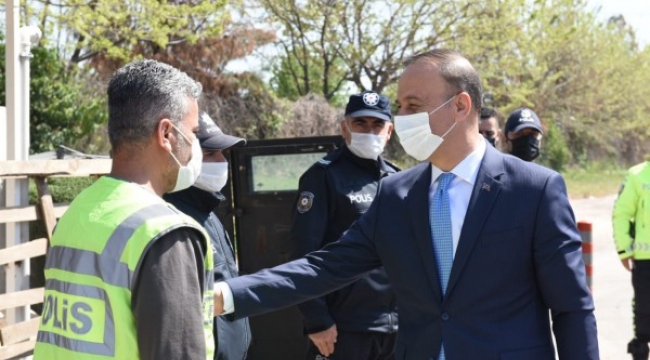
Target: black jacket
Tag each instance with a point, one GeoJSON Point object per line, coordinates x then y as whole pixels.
{"type": "Point", "coordinates": [333, 193]}
{"type": "Point", "coordinates": [232, 337]}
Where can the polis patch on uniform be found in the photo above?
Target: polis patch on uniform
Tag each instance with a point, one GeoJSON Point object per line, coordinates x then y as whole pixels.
{"type": "Point", "coordinates": [305, 202]}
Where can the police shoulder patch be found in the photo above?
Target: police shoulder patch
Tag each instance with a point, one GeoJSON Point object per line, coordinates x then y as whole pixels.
{"type": "Point", "coordinates": [305, 202]}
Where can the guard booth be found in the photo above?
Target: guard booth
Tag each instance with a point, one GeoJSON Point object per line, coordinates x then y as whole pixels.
{"type": "Point", "coordinates": [264, 177]}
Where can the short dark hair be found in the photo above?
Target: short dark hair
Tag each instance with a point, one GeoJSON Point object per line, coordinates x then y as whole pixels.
{"type": "Point", "coordinates": [488, 113]}
{"type": "Point", "coordinates": [459, 77]}
{"type": "Point", "coordinates": [142, 93]}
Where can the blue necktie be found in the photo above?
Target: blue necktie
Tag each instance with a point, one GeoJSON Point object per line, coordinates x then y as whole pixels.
{"type": "Point", "coordinates": [443, 243]}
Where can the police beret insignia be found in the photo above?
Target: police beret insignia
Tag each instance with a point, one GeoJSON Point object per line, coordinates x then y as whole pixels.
{"type": "Point", "coordinates": [371, 98]}
{"type": "Point", "coordinates": [305, 201]}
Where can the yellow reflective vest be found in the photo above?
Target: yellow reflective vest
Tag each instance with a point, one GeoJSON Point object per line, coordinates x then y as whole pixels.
{"type": "Point", "coordinates": [90, 268]}
{"type": "Point", "coordinates": [633, 204]}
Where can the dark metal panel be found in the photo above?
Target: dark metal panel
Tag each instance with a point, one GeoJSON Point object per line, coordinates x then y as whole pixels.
{"type": "Point", "coordinates": [264, 176]}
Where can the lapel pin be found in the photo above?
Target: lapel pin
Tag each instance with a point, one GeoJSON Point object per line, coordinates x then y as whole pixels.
{"type": "Point", "coordinates": [486, 187]}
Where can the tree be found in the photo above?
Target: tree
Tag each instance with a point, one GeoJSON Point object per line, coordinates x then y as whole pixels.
{"type": "Point", "coordinates": [60, 112]}
{"type": "Point", "coordinates": [115, 27]}
{"type": "Point", "coordinates": [326, 43]}
{"type": "Point", "coordinates": [197, 36]}
{"type": "Point", "coordinates": [240, 103]}
{"type": "Point", "coordinates": [286, 83]}
{"type": "Point", "coordinates": [574, 71]}
{"type": "Point", "coordinates": [311, 115]}
{"type": "Point", "coordinates": [310, 60]}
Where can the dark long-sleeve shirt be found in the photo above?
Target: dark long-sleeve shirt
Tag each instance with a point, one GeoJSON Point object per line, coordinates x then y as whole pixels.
{"type": "Point", "coordinates": [167, 298]}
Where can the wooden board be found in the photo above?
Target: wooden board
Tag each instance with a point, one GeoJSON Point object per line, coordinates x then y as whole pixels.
{"type": "Point", "coordinates": [20, 252]}
{"type": "Point", "coordinates": [21, 298]}
{"type": "Point", "coordinates": [28, 213]}
{"type": "Point", "coordinates": [72, 167]}
{"type": "Point", "coordinates": [24, 348]}
{"type": "Point", "coordinates": [46, 205]}
{"type": "Point", "coordinates": [16, 333]}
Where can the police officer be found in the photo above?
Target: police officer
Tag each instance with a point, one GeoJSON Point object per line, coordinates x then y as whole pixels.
{"type": "Point", "coordinates": [523, 134]}
{"type": "Point", "coordinates": [200, 201]}
{"type": "Point", "coordinates": [489, 126]}
{"type": "Point", "coordinates": [634, 251]}
{"type": "Point", "coordinates": [128, 276]}
{"type": "Point", "coordinates": [360, 320]}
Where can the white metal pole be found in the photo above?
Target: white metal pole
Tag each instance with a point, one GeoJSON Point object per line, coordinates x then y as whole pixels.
{"type": "Point", "coordinates": [29, 36]}
{"type": "Point", "coordinates": [3, 157]}
{"type": "Point", "coordinates": [14, 275]}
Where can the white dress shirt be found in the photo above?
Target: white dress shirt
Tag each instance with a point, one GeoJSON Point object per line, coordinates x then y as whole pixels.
{"type": "Point", "coordinates": [460, 190]}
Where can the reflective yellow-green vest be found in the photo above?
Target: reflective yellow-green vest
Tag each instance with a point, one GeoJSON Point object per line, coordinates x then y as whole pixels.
{"type": "Point", "coordinates": [633, 203]}
{"type": "Point", "coordinates": [92, 264]}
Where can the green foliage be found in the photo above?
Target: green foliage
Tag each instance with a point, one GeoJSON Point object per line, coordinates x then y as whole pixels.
{"type": "Point", "coordinates": [63, 189]}
{"type": "Point", "coordinates": [287, 83]}
{"type": "Point", "coordinates": [115, 28]}
{"type": "Point", "coordinates": [555, 151]}
{"type": "Point", "coordinates": [594, 179]}
{"type": "Point", "coordinates": [586, 79]}
{"type": "Point", "coordinates": [311, 59]}
{"type": "Point", "coordinates": [60, 111]}
{"type": "Point", "coordinates": [576, 73]}
{"type": "Point", "coordinates": [328, 43]}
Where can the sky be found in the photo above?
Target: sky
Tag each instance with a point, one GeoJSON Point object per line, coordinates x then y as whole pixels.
{"type": "Point", "coordinates": [635, 12]}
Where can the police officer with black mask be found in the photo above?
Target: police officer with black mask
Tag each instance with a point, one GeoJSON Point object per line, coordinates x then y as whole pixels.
{"type": "Point", "coordinates": [360, 320]}
{"type": "Point", "coordinates": [523, 134]}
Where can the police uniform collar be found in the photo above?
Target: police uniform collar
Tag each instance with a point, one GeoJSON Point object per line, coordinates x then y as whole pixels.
{"type": "Point", "coordinates": [369, 164]}
{"type": "Point", "coordinates": [387, 167]}
{"type": "Point", "coordinates": [201, 199]}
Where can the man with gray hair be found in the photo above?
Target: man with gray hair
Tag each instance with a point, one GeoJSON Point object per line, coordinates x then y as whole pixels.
{"type": "Point", "coordinates": [128, 275]}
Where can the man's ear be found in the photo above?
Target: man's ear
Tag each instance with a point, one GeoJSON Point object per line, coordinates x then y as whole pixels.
{"type": "Point", "coordinates": [344, 125]}
{"type": "Point", "coordinates": [463, 104]}
{"type": "Point", "coordinates": [390, 130]}
{"type": "Point", "coordinates": [345, 131]}
{"type": "Point", "coordinates": [164, 133]}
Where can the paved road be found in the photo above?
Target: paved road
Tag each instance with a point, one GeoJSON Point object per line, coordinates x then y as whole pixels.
{"type": "Point", "coordinates": [611, 282]}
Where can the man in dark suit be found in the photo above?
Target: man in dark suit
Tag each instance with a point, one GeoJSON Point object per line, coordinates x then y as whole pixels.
{"type": "Point", "coordinates": [481, 248]}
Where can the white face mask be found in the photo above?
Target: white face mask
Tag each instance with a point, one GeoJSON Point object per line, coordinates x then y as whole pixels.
{"type": "Point", "coordinates": [188, 174]}
{"type": "Point", "coordinates": [214, 176]}
{"type": "Point", "coordinates": [367, 146]}
{"type": "Point", "coordinates": [415, 134]}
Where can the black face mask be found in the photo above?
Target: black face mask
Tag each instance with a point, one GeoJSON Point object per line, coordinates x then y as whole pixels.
{"type": "Point", "coordinates": [526, 147]}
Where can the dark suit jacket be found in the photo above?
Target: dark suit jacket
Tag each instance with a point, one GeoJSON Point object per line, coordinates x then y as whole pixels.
{"type": "Point", "coordinates": [519, 256]}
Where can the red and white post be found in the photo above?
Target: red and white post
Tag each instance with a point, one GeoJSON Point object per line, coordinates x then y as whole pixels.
{"type": "Point", "coordinates": [587, 249]}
